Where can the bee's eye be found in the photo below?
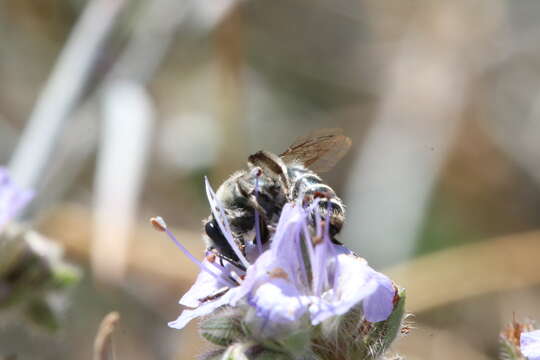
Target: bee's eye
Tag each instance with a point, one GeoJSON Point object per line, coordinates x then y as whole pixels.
{"type": "Point", "coordinates": [220, 242]}
{"type": "Point", "coordinates": [214, 232]}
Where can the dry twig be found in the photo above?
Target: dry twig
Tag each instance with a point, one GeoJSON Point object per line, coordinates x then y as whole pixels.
{"type": "Point", "coordinates": [103, 345]}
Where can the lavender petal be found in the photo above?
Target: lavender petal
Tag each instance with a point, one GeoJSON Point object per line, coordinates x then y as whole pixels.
{"type": "Point", "coordinates": [204, 286]}
{"type": "Point", "coordinates": [530, 344]}
{"type": "Point", "coordinates": [204, 309]}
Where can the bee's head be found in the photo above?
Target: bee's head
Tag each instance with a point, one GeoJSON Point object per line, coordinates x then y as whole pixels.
{"type": "Point", "coordinates": [217, 238]}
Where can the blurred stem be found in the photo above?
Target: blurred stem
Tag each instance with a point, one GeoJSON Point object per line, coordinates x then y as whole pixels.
{"type": "Point", "coordinates": [422, 98]}
{"type": "Point", "coordinates": [62, 90]}
{"type": "Point", "coordinates": [103, 345]}
{"type": "Point", "coordinates": [127, 109]}
{"type": "Point", "coordinates": [231, 61]}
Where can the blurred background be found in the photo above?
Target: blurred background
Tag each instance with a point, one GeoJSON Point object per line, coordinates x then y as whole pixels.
{"type": "Point", "coordinates": [114, 110]}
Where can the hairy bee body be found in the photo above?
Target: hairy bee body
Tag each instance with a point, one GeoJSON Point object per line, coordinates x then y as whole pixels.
{"type": "Point", "coordinates": [266, 186]}
{"type": "Point", "coordinates": [240, 200]}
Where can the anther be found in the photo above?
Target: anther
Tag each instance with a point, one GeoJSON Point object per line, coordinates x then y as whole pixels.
{"type": "Point", "coordinates": [211, 257]}
{"type": "Point", "coordinates": [256, 171]}
{"type": "Point", "coordinates": [158, 223]}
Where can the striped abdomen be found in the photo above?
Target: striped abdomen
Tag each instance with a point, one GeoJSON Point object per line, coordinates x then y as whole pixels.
{"type": "Point", "coordinates": [308, 184]}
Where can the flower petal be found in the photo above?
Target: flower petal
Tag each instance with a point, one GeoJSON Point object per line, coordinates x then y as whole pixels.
{"type": "Point", "coordinates": [255, 275]}
{"type": "Point", "coordinates": [204, 309]}
{"type": "Point", "coordinates": [354, 282]}
{"type": "Point", "coordinates": [283, 255]}
{"type": "Point", "coordinates": [379, 305]}
{"type": "Point", "coordinates": [205, 285]}
{"type": "Point", "coordinates": [279, 301]}
{"type": "Point", "coordinates": [12, 198]}
{"type": "Point", "coordinates": [530, 344]}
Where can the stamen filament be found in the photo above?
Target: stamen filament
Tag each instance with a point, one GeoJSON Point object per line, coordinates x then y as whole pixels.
{"type": "Point", "coordinates": [257, 220]}
{"type": "Point", "coordinates": [303, 269]}
{"type": "Point", "coordinates": [328, 242]}
{"type": "Point", "coordinates": [160, 225]}
{"type": "Point", "coordinates": [227, 233]}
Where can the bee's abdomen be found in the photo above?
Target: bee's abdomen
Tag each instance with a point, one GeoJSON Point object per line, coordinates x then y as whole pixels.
{"type": "Point", "coordinates": [306, 183]}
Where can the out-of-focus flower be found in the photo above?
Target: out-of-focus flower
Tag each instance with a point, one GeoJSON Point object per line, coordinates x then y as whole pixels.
{"type": "Point", "coordinates": [530, 344]}
{"type": "Point", "coordinates": [302, 281]}
{"type": "Point", "coordinates": [519, 341]}
{"type": "Point", "coordinates": [34, 278]}
{"type": "Point", "coordinates": [12, 198]}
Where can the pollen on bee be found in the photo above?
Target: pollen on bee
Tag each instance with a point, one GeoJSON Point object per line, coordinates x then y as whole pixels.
{"type": "Point", "coordinates": [321, 194]}
{"type": "Point", "coordinates": [211, 257]}
{"type": "Point", "coordinates": [158, 223]}
{"type": "Point", "coordinates": [278, 273]}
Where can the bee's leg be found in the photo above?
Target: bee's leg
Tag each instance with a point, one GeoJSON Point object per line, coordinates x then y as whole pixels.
{"type": "Point", "coordinates": [222, 257]}
{"type": "Point", "coordinates": [237, 264]}
{"type": "Point", "coordinates": [336, 241]}
{"type": "Point", "coordinates": [218, 293]}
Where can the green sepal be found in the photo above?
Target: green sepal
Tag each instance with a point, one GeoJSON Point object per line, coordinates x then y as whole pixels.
{"type": "Point", "coordinates": [295, 344]}
{"type": "Point", "coordinates": [351, 337]}
{"type": "Point", "coordinates": [223, 328]}
{"type": "Point", "coordinates": [212, 355]}
{"type": "Point", "coordinates": [385, 332]}
{"type": "Point", "coordinates": [508, 350]}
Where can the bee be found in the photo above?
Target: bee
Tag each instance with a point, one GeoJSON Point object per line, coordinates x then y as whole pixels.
{"type": "Point", "coordinates": [271, 181]}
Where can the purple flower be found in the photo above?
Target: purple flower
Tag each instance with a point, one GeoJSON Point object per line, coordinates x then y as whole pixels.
{"type": "Point", "coordinates": [333, 284]}
{"type": "Point", "coordinates": [530, 344]}
{"type": "Point", "coordinates": [12, 198]}
{"type": "Point", "coordinates": [302, 277]}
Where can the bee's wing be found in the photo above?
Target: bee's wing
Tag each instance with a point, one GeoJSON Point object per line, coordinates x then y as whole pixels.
{"type": "Point", "coordinates": [320, 150]}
